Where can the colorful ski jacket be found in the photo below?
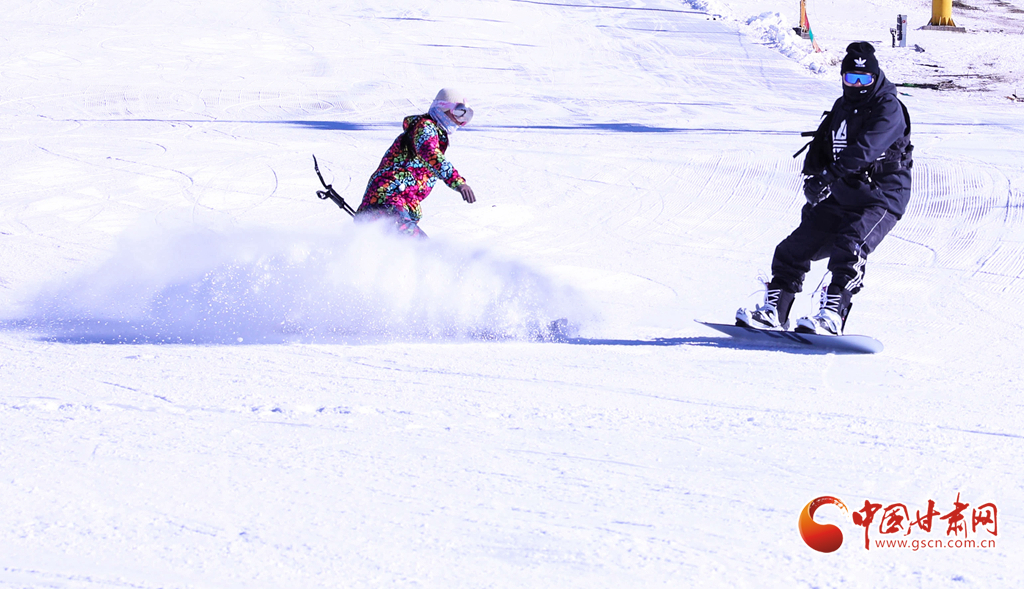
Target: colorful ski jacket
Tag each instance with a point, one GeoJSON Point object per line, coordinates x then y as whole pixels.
{"type": "Point", "coordinates": [410, 168]}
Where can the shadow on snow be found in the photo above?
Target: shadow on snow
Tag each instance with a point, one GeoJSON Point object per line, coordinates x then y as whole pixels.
{"type": "Point", "coordinates": [708, 342]}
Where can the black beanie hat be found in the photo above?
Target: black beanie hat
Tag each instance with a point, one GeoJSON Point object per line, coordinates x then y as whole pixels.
{"type": "Point", "coordinates": [860, 57]}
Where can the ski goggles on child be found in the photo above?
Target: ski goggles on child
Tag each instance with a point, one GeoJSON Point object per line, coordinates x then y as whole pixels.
{"type": "Point", "coordinates": [853, 78]}
{"type": "Point", "coordinates": [459, 111]}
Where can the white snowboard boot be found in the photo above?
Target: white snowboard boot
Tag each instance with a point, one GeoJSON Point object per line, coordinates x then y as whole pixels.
{"type": "Point", "coordinates": [832, 313]}
{"type": "Point", "coordinates": [773, 314]}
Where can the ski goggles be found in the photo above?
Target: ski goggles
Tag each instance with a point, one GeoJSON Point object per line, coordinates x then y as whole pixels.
{"type": "Point", "coordinates": [459, 111]}
{"type": "Point", "coordinates": [853, 78]}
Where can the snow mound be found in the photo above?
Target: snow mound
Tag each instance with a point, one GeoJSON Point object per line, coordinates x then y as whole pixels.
{"type": "Point", "coordinates": [262, 286]}
{"type": "Point", "coordinates": [770, 29]}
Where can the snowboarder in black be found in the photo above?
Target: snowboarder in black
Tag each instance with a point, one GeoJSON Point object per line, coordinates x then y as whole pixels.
{"type": "Point", "coordinates": [857, 185]}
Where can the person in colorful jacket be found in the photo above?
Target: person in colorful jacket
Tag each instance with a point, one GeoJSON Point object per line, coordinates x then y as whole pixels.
{"type": "Point", "coordinates": [414, 163]}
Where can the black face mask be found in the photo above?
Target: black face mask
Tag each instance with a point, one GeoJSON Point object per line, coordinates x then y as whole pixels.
{"type": "Point", "coordinates": [858, 94]}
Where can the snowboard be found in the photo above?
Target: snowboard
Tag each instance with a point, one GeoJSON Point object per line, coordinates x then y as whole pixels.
{"type": "Point", "coordinates": [854, 344]}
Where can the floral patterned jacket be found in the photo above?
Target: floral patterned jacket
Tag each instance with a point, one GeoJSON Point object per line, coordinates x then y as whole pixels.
{"type": "Point", "coordinates": [410, 168]}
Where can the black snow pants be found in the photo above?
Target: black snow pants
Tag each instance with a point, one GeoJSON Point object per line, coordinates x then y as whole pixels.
{"type": "Point", "coordinates": [827, 230]}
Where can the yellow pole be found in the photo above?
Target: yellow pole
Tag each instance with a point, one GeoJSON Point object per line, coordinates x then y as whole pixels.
{"type": "Point", "coordinates": [942, 13]}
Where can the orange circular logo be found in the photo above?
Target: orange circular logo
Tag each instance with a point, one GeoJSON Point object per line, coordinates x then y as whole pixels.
{"type": "Point", "coordinates": [821, 537]}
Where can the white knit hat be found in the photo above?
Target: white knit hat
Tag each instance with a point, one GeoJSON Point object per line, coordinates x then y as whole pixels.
{"type": "Point", "coordinates": [450, 95]}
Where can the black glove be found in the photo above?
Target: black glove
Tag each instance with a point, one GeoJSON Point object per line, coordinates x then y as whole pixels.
{"type": "Point", "coordinates": [816, 187]}
{"type": "Point", "coordinates": [467, 193]}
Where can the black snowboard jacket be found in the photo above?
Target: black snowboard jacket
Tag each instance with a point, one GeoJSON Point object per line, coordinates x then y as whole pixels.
{"type": "Point", "coordinates": [867, 146]}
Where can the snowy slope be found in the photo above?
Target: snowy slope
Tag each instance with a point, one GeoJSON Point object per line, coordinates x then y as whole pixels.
{"type": "Point", "coordinates": [210, 378]}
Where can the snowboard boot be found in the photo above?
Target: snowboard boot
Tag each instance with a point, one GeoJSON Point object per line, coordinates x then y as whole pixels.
{"type": "Point", "coordinates": [773, 314]}
{"type": "Point", "coordinates": [831, 316]}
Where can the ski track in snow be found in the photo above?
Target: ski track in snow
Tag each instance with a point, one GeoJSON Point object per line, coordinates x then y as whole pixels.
{"type": "Point", "coordinates": [632, 161]}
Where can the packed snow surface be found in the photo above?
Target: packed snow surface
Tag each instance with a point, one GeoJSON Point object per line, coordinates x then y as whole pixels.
{"type": "Point", "coordinates": [211, 378]}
